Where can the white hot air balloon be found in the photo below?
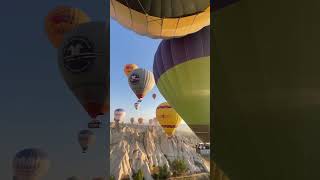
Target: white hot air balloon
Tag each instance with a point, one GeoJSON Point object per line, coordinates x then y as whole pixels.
{"type": "Point", "coordinates": [30, 164]}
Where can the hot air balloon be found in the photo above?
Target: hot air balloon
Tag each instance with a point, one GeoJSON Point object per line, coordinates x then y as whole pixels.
{"type": "Point", "coordinates": [30, 164]}
{"type": "Point", "coordinates": [154, 95]}
{"type": "Point", "coordinates": [182, 72]}
{"type": "Point", "coordinates": [266, 89]}
{"type": "Point", "coordinates": [83, 65]}
{"type": "Point", "coordinates": [168, 118]}
{"type": "Point", "coordinates": [140, 120]}
{"type": "Point", "coordinates": [161, 19]}
{"type": "Point", "coordinates": [119, 115]}
{"type": "Point", "coordinates": [86, 138]}
{"type": "Point", "coordinates": [128, 68]}
{"type": "Point", "coordinates": [132, 120]}
{"type": "Point", "coordinates": [141, 81]}
{"type": "Point", "coordinates": [61, 20]}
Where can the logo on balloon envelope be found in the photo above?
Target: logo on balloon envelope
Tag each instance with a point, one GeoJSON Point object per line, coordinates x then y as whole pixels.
{"type": "Point", "coordinates": [134, 78]}
{"type": "Point", "coordinates": [78, 54]}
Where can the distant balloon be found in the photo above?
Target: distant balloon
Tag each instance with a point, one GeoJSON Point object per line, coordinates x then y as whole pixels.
{"type": "Point", "coordinates": [182, 73]}
{"type": "Point", "coordinates": [119, 115]}
{"type": "Point", "coordinates": [86, 138]}
{"type": "Point", "coordinates": [154, 95]}
{"type": "Point", "coordinates": [63, 19]}
{"type": "Point", "coordinates": [141, 81]}
{"type": "Point", "coordinates": [162, 19]}
{"type": "Point", "coordinates": [132, 120]}
{"type": "Point", "coordinates": [140, 120]}
{"type": "Point", "coordinates": [84, 67]}
{"type": "Point", "coordinates": [168, 118]}
{"type": "Point", "coordinates": [128, 68]}
{"type": "Point", "coordinates": [30, 164]}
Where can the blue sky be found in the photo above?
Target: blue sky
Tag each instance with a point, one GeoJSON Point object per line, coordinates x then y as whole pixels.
{"type": "Point", "coordinates": [128, 47]}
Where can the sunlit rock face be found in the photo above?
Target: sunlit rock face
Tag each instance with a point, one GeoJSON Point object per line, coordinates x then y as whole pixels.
{"type": "Point", "coordinates": [134, 147]}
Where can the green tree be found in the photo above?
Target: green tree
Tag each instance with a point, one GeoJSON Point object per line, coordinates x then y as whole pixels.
{"type": "Point", "coordinates": [138, 175]}
{"type": "Point", "coordinates": [179, 167]}
{"type": "Point", "coordinates": [164, 172]}
{"type": "Point", "coordinates": [112, 178]}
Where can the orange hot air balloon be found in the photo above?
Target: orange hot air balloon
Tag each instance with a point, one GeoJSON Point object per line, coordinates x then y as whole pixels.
{"type": "Point", "coordinates": [128, 68]}
{"type": "Point", "coordinates": [63, 19]}
{"type": "Point", "coordinates": [168, 118]}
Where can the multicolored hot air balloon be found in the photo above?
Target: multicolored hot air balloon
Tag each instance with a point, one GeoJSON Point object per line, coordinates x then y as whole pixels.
{"type": "Point", "coordinates": [132, 120]}
{"type": "Point", "coordinates": [168, 118]}
{"type": "Point", "coordinates": [182, 72]}
{"type": "Point", "coordinates": [61, 20]}
{"type": "Point", "coordinates": [141, 81]}
{"type": "Point", "coordinates": [154, 95]}
{"type": "Point", "coordinates": [119, 115]}
{"type": "Point", "coordinates": [86, 138]}
{"type": "Point", "coordinates": [162, 19]}
{"type": "Point", "coordinates": [30, 164]}
{"type": "Point", "coordinates": [84, 67]}
{"type": "Point", "coordinates": [140, 120]}
{"type": "Point", "coordinates": [128, 68]}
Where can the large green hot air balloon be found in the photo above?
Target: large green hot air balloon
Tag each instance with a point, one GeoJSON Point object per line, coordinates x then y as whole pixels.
{"type": "Point", "coordinates": [267, 88]}
{"type": "Point", "coordinates": [182, 73]}
{"type": "Point", "coordinates": [141, 81]}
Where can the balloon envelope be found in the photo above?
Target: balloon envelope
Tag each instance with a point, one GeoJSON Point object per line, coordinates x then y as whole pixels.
{"type": "Point", "coordinates": [30, 164]}
{"type": "Point", "coordinates": [119, 114]}
{"type": "Point", "coordinates": [182, 73]}
{"type": "Point", "coordinates": [140, 120]}
{"type": "Point", "coordinates": [61, 20]}
{"type": "Point", "coordinates": [162, 19]}
{"type": "Point", "coordinates": [266, 91]}
{"type": "Point", "coordinates": [128, 68]}
{"type": "Point", "coordinates": [86, 138]}
{"type": "Point", "coordinates": [132, 120]}
{"type": "Point", "coordinates": [83, 64]}
{"type": "Point", "coordinates": [141, 81]}
{"type": "Point", "coordinates": [168, 118]}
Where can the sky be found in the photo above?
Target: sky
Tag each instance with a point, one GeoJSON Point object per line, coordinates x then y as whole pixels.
{"type": "Point", "coordinates": [37, 109]}
{"type": "Point", "coordinates": [128, 47]}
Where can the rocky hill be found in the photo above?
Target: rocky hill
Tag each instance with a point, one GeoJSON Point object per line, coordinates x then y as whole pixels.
{"type": "Point", "coordinates": [134, 147]}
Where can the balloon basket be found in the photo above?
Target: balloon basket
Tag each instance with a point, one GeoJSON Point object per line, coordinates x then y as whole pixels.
{"type": "Point", "coordinates": [93, 125]}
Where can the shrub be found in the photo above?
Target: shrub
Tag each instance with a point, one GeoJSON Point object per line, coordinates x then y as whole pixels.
{"type": "Point", "coordinates": [179, 167]}
{"type": "Point", "coordinates": [138, 175]}
{"type": "Point", "coordinates": [164, 172]}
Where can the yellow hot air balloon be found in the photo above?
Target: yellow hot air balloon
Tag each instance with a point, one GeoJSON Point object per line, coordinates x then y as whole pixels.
{"type": "Point", "coordinates": [128, 68]}
{"type": "Point", "coordinates": [168, 118]}
{"type": "Point", "coordinates": [162, 19]}
{"type": "Point", "coordinates": [63, 19]}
